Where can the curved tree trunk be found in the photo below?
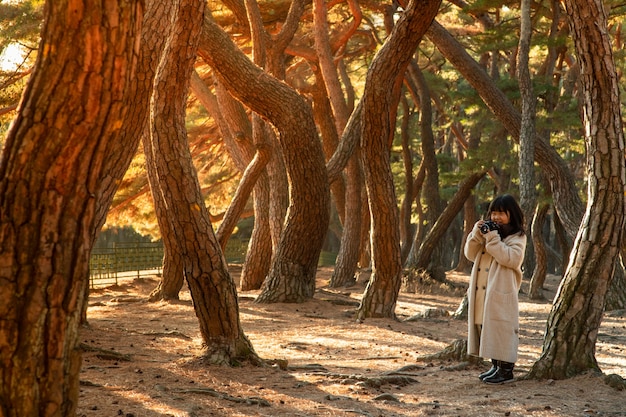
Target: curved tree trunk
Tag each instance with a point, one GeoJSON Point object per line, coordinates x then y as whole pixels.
{"type": "Point", "coordinates": [172, 277]}
{"type": "Point", "coordinates": [430, 187]}
{"type": "Point", "coordinates": [380, 100]}
{"type": "Point", "coordinates": [348, 257]}
{"type": "Point", "coordinates": [569, 346]}
{"type": "Point", "coordinates": [54, 162]}
{"type": "Point", "coordinates": [259, 253]}
{"type": "Point", "coordinates": [292, 274]}
{"type": "Point", "coordinates": [212, 288]}
{"type": "Point", "coordinates": [535, 290]}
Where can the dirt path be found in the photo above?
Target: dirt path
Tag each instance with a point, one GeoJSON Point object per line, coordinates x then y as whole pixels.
{"type": "Point", "coordinates": [141, 360]}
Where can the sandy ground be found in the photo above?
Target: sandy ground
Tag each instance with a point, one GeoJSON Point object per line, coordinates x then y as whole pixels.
{"type": "Point", "coordinates": [141, 360]}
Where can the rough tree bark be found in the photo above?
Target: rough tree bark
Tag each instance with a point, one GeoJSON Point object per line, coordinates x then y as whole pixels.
{"type": "Point", "coordinates": [212, 288]}
{"type": "Point", "coordinates": [380, 100]}
{"type": "Point", "coordinates": [157, 26]}
{"type": "Point", "coordinates": [52, 175]}
{"type": "Point", "coordinates": [569, 345]}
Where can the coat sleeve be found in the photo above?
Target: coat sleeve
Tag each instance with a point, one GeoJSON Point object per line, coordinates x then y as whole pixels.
{"type": "Point", "coordinates": [508, 252]}
{"type": "Point", "coordinates": [473, 244]}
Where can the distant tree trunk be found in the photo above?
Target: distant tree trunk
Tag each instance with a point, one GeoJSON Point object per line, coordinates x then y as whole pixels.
{"type": "Point", "coordinates": [419, 233]}
{"type": "Point", "coordinates": [292, 274]}
{"type": "Point", "coordinates": [252, 166]}
{"type": "Point", "coordinates": [406, 232]}
{"type": "Point", "coordinates": [53, 164]}
{"type": "Point", "coordinates": [212, 288]}
{"type": "Point", "coordinates": [347, 258]}
{"type": "Point", "coordinates": [569, 346]}
{"type": "Point", "coordinates": [470, 216]}
{"type": "Point", "coordinates": [325, 121]}
{"type": "Point", "coordinates": [430, 189]}
{"type": "Point", "coordinates": [259, 253]}
{"type": "Point", "coordinates": [616, 297]}
{"type": "Point", "coordinates": [535, 289]}
{"type": "Point", "coordinates": [439, 228]}
{"type": "Point", "coordinates": [380, 100]}
{"type": "Point", "coordinates": [527, 132]}
{"type": "Point", "coordinates": [565, 244]}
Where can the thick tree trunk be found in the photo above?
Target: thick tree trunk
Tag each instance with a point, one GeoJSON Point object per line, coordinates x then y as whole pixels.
{"type": "Point", "coordinates": [172, 278]}
{"type": "Point", "coordinates": [53, 164]}
{"type": "Point", "coordinates": [211, 287]}
{"type": "Point", "coordinates": [569, 346]}
{"type": "Point", "coordinates": [380, 100]}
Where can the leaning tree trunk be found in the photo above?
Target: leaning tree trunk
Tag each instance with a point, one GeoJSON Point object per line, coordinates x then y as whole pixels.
{"type": "Point", "coordinates": [435, 234]}
{"type": "Point", "coordinates": [53, 162]}
{"type": "Point", "coordinates": [572, 330]}
{"type": "Point", "coordinates": [380, 100]}
{"type": "Point", "coordinates": [212, 288]}
{"type": "Point", "coordinates": [535, 290]}
{"type": "Point", "coordinates": [469, 218]}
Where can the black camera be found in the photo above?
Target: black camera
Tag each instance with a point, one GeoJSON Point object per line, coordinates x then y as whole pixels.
{"type": "Point", "coordinates": [488, 226]}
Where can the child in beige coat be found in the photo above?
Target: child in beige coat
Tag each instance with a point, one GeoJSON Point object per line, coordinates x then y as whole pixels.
{"type": "Point", "coordinates": [496, 246]}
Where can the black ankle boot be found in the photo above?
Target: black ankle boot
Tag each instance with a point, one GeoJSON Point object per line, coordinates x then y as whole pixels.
{"type": "Point", "coordinates": [491, 371]}
{"type": "Point", "coordinates": [503, 375]}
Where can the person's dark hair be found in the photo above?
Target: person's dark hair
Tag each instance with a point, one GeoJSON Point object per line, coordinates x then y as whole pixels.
{"type": "Point", "coordinates": [507, 203]}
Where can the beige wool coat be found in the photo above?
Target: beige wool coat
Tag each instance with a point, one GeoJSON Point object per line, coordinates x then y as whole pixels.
{"type": "Point", "coordinates": [499, 338]}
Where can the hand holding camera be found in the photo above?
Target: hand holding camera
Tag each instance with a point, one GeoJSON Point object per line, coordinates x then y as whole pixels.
{"type": "Point", "coordinates": [488, 226]}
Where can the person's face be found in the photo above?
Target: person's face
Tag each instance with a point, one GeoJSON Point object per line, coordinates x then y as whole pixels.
{"type": "Point", "coordinates": [500, 217]}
